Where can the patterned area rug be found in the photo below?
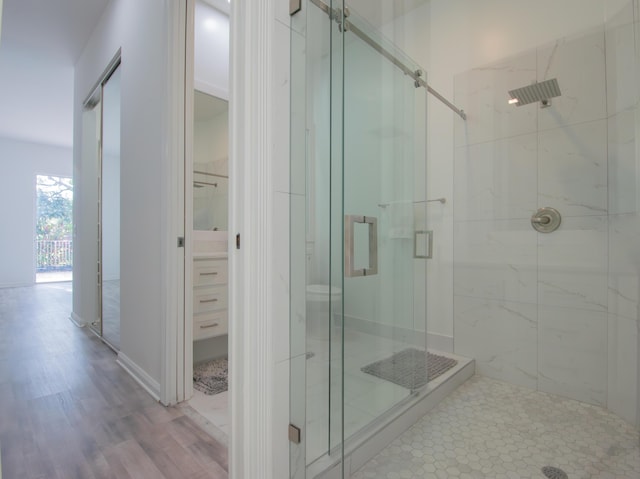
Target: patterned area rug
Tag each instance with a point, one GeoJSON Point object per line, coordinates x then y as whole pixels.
{"type": "Point", "coordinates": [210, 377]}
{"type": "Point", "coordinates": [410, 368]}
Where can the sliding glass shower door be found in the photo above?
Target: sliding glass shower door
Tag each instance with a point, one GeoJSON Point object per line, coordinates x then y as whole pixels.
{"type": "Point", "coordinates": [382, 134]}
{"type": "Point", "coordinates": [358, 310]}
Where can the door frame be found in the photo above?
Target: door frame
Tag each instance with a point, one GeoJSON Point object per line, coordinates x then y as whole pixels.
{"type": "Point", "coordinates": [252, 446]}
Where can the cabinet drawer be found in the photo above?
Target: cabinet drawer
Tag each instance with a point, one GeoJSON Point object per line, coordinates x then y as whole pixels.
{"type": "Point", "coordinates": [209, 325]}
{"type": "Point", "coordinates": [209, 299]}
{"type": "Point", "coordinates": [209, 271]}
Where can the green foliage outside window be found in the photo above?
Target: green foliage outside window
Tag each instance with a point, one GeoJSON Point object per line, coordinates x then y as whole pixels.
{"type": "Point", "coordinates": [54, 222]}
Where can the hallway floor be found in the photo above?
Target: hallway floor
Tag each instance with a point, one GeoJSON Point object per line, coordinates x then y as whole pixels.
{"type": "Point", "coordinates": [494, 430]}
{"type": "Point", "coordinates": [68, 410]}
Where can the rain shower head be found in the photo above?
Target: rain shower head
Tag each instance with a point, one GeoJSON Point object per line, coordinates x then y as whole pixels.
{"type": "Point", "coordinates": [539, 91]}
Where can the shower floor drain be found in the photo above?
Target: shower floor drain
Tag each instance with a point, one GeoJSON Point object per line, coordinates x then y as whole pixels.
{"type": "Point", "coordinates": [554, 473]}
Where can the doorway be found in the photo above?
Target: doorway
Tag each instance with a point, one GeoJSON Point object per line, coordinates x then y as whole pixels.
{"type": "Point", "coordinates": [207, 168]}
{"type": "Point", "coordinates": [53, 232]}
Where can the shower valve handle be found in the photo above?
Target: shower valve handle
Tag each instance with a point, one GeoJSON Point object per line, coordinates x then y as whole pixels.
{"type": "Point", "coordinates": [543, 220]}
{"type": "Point", "coordinates": [546, 220]}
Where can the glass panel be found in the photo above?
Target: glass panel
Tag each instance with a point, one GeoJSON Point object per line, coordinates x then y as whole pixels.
{"type": "Point", "coordinates": [333, 203]}
{"type": "Point", "coordinates": [305, 25]}
{"type": "Point", "coordinates": [357, 126]}
{"type": "Point", "coordinates": [91, 131]}
{"type": "Point", "coordinates": [384, 178]}
{"type": "Point", "coordinates": [110, 210]}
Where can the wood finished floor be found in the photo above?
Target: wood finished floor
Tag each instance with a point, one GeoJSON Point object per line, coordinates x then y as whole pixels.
{"type": "Point", "coordinates": [67, 410]}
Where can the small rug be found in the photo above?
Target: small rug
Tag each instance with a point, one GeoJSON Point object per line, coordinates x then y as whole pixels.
{"type": "Point", "coordinates": [410, 368]}
{"type": "Point", "coordinates": [210, 377]}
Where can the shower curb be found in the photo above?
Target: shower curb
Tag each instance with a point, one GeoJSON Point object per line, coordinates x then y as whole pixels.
{"type": "Point", "coordinates": [380, 435]}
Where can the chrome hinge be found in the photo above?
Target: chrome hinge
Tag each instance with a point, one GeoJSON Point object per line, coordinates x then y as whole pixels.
{"type": "Point", "coordinates": [295, 434]}
{"type": "Point", "coordinates": [294, 6]}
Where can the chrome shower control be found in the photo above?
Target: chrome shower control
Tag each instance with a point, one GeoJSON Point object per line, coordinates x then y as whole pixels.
{"type": "Point", "coordinates": [546, 220]}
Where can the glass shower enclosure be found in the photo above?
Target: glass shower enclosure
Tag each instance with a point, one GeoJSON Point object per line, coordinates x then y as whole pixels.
{"type": "Point", "coordinates": [359, 241]}
{"type": "Point", "coordinates": [532, 197]}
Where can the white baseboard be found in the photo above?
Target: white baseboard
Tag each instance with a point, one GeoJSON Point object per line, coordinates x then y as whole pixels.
{"type": "Point", "coordinates": [77, 320]}
{"type": "Point", "coordinates": [147, 382]}
{"type": "Point", "coordinates": [436, 341]}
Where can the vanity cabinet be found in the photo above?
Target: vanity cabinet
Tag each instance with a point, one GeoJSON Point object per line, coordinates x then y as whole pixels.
{"type": "Point", "coordinates": [210, 297]}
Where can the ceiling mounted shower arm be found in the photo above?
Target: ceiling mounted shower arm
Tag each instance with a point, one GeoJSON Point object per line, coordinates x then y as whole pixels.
{"type": "Point", "coordinates": [346, 25]}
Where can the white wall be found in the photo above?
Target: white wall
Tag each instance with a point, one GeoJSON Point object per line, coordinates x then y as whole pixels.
{"type": "Point", "coordinates": [143, 30]}
{"type": "Point", "coordinates": [20, 163]}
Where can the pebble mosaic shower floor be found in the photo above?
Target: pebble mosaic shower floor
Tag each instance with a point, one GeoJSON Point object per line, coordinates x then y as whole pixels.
{"type": "Point", "coordinates": [494, 430]}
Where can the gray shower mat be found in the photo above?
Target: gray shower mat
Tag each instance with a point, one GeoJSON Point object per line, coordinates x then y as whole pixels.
{"type": "Point", "coordinates": [410, 368]}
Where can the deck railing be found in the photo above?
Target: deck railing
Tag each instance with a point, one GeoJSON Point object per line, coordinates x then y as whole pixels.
{"type": "Point", "coordinates": [54, 254]}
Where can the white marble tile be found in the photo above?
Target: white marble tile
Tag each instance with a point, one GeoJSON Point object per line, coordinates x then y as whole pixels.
{"type": "Point", "coordinates": [624, 170]}
{"type": "Point", "coordinates": [572, 353]}
{"type": "Point", "coordinates": [500, 336]}
{"type": "Point", "coordinates": [281, 419]}
{"type": "Point", "coordinates": [622, 390]}
{"type": "Point", "coordinates": [282, 11]}
{"type": "Point", "coordinates": [624, 266]}
{"type": "Point", "coordinates": [496, 260]}
{"type": "Point", "coordinates": [382, 397]}
{"type": "Point", "coordinates": [298, 22]}
{"type": "Point", "coordinates": [483, 94]}
{"type": "Point", "coordinates": [618, 13]}
{"type": "Point", "coordinates": [440, 160]}
{"type": "Point", "coordinates": [215, 408]}
{"type": "Point", "coordinates": [297, 413]}
{"type": "Point", "coordinates": [354, 420]}
{"type": "Point", "coordinates": [572, 169]}
{"type": "Point", "coordinates": [317, 372]}
{"type": "Point", "coordinates": [440, 282]}
{"type": "Point", "coordinates": [358, 384]}
{"type": "Point", "coordinates": [572, 270]}
{"type": "Point", "coordinates": [296, 128]}
{"type": "Point", "coordinates": [298, 273]}
{"type": "Point", "coordinates": [622, 80]}
{"type": "Point", "coordinates": [491, 429]}
{"type": "Point", "coordinates": [280, 281]}
{"type": "Point", "coordinates": [579, 65]}
{"type": "Point", "coordinates": [496, 179]}
{"type": "Point", "coordinates": [282, 101]}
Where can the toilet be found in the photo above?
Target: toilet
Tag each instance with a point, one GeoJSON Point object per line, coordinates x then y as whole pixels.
{"type": "Point", "coordinates": [319, 300]}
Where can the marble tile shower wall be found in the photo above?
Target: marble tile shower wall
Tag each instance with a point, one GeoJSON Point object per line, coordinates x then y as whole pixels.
{"type": "Point", "coordinates": [556, 312]}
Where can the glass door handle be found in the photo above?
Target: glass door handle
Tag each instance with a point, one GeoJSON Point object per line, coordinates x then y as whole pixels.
{"type": "Point", "coordinates": [349, 230]}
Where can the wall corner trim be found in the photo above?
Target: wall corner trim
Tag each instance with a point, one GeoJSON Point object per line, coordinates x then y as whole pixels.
{"type": "Point", "coordinates": [251, 354]}
{"type": "Point", "coordinates": [141, 377]}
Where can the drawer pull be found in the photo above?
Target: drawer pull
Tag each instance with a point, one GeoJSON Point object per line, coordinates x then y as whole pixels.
{"type": "Point", "coordinates": [209, 273]}
{"type": "Point", "coordinates": [209, 326]}
{"type": "Point", "coordinates": [213, 300]}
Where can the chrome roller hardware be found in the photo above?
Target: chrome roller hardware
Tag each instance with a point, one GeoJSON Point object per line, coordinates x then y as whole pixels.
{"type": "Point", "coordinates": [546, 220]}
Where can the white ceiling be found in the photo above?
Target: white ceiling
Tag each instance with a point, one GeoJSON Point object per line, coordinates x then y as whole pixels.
{"type": "Point", "coordinates": [41, 41]}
